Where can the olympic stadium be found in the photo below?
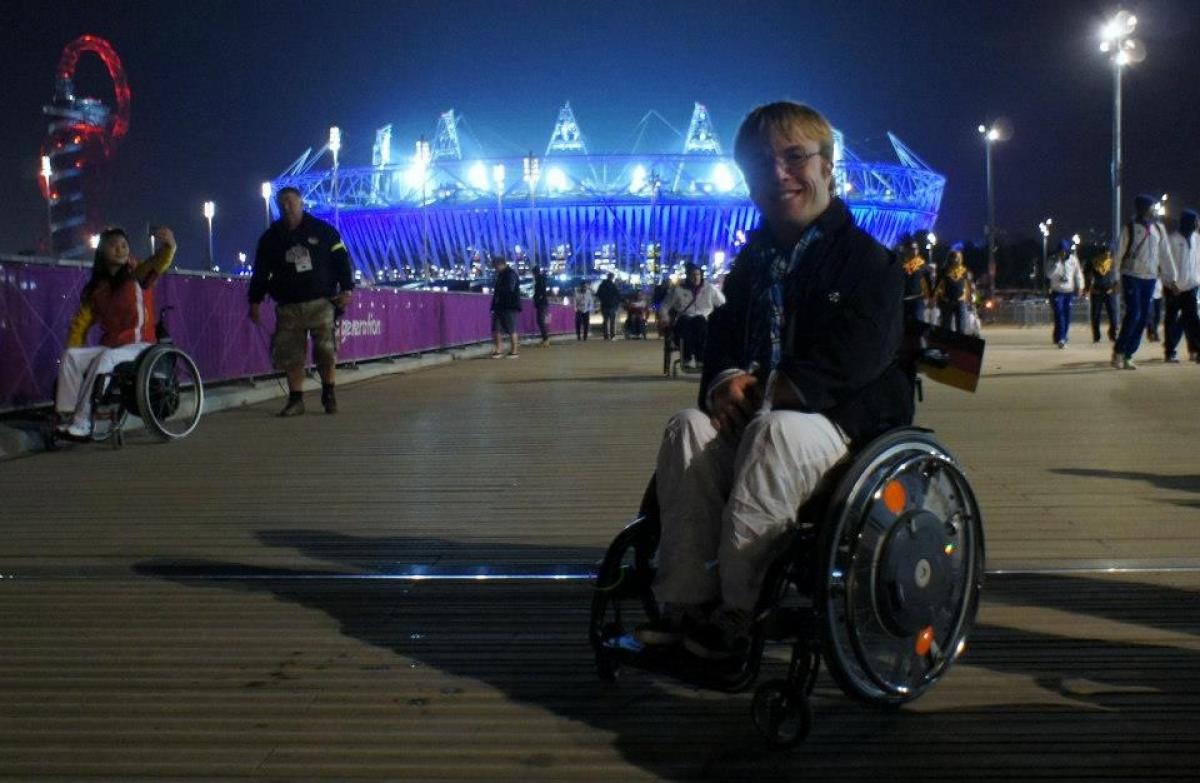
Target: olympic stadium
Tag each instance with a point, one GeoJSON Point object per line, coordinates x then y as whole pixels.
{"type": "Point", "coordinates": [436, 213]}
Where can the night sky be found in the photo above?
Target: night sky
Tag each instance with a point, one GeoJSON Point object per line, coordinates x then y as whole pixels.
{"type": "Point", "coordinates": [227, 94]}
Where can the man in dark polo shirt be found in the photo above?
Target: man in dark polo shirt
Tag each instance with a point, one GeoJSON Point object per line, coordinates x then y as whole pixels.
{"type": "Point", "coordinates": [506, 303]}
{"type": "Point", "coordinates": [303, 264]}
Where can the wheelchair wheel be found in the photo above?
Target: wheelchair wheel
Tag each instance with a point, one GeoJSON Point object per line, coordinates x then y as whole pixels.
{"type": "Point", "coordinates": [622, 595]}
{"type": "Point", "coordinates": [782, 715]}
{"type": "Point", "coordinates": [169, 392]}
{"type": "Point", "coordinates": [900, 566]}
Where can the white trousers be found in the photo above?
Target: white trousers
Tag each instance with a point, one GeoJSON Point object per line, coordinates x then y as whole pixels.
{"type": "Point", "coordinates": [728, 505]}
{"type": "Point", "coordinates": [77, 373]}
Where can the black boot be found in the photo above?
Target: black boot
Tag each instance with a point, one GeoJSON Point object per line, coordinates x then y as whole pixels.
{"type": "Point", "coordinates": [328, 399]}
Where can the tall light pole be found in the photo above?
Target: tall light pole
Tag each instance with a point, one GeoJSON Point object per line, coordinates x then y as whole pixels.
{"type": "Point", "coordinates": [533, 173]}
{"type": "Point", "coordinates": [1044, 227]}
{"type": "Point", "coordinates": [265, 190]}
{"type": "Point", "coordinates": [422, 161]}
{"type": "Point", "coordinates": [930, 243]}
{"type": "Point", "coordinates": [335, 146]}
{"type": "Point", "coordinates": [1117, 42]}
{"type": "Point", "coordinates": [990, 136]}
{"type": "Point", "coordinates": [47, 174]}
{"type": "Point", "coordinates": [498, 179]}
{"type": "Point", "coordinates": [210, 209]}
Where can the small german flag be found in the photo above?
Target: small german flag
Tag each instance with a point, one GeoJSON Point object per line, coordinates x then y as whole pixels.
{"type": "Point", "coordinates": [946, 357]}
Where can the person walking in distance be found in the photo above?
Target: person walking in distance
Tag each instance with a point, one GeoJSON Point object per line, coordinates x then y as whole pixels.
{"type": "Point", "coordinates": [1102, 285]}
{"type": "Point", "coordinates": [1066, 278]}
{"type": "Point", "coordinates": [1181, 279]}
{"type": "Point", "coordinates": [610, 301]}
{"type": "Point", "coordinates": [506, 303]}
{"type": "Point", "coordinates": [541, 303]}
{"type": "Point", "coordinates": [303, 264]}
{"type": "Point", "coordinates": [1141, 248]}
{"type": "Point", "coordinates": [583, 311]}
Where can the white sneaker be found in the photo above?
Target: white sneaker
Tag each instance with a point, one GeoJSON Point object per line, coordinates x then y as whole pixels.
{"type": "Point", "coordinates": [1128, 365]}
{"type": "Point", "coordinates": [691, 364]}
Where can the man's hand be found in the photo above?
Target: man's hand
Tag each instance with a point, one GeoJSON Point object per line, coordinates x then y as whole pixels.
{"type": "Point", "coordinates": [254, 314]}
{"type": "Point", "coordinates": [734, 402]}
{"type": "Point", "coordinates": [164, 236]}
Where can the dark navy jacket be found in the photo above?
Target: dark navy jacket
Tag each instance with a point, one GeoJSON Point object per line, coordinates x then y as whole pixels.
{"type": "Point", "coordinates": [843, 328]}
{"type": "Point", "coordinates": [314, 239]}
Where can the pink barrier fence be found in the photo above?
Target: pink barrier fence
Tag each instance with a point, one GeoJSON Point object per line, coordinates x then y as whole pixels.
{"type": "Point", "coordinates": [209, 322]}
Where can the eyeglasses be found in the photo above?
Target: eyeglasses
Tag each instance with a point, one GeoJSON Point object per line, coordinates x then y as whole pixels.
{"type": "Point", "coordinates": [792, 161]}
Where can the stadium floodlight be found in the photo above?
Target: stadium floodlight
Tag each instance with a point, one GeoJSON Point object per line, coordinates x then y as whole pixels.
{"type": "Point", "coordinates": [498, 177]}
{"type": "Point", "coordinates": [94, 241]}
{"type": "Point", "coordinates": [47, 173]}
{"type": "Point", "coordinates": [477, 176]}
{"type": "Point", "coordinates": [335, 141]}
{"type": "Point", "coordinates": [991, 135]}
{"type": "Point", "coordinates": [210, 209]}
{"type": "Point", "coordinates": [637, 182]}
{"type": "Point", "coordinates": [265, 190]}
{"type": "Point", "coordinates": [723, 179]}
{"type": "Point", "coordinates": [556, 179]}
{"type": "Point", "coordinates": [1117, 41]}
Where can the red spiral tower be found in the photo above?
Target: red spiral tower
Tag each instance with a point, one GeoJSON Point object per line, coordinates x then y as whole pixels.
{"type": "Point", "coordinates": [81, 141]}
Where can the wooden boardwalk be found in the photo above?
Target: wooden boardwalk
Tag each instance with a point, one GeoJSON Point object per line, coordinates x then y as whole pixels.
{"type": "Point", "coordinates": [199, 609]}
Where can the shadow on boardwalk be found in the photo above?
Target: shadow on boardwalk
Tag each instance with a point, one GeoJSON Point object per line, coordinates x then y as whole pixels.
{"type": "Point", "coordinates": [1070, 705]}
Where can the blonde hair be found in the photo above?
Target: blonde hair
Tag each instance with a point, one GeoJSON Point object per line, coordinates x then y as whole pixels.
{"type": "Point", "coordinates": [786, 119]}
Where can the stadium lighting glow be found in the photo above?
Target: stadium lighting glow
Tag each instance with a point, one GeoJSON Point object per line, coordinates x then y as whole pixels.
{"type": "Point", "coordinates": [498, 176]}
{"type": "Point", "coordinates": [414, 175]}
{"type": "Point", "coordinates": [210, 209]}
{"type": "Point", "coordinates": [718, 259]}
{"type": "Point", "coordinates": [335, 140]}
{"type": "Point", "coordinates": [637, 181]}
{"type": "Point", "coordinates": [556, 179]}
{"type": "Point", "coordinates": [477, 176]}
{"type": "Point", "coordinates": [94, 241]}
{"type": "Point", "coordinates": [265, 190]}
{"type": "Point", "coordinates": [46, 170]}
{"type": "Point", "coordinates": [723, 179]}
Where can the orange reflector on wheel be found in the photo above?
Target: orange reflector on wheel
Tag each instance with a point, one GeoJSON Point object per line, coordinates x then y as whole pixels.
{"type": "Point", "coordinates": [895, 497]}
{"type": "Point", "coordinates": [924, 640]}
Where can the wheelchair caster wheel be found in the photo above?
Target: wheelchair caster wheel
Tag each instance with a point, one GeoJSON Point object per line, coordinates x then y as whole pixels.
{"type": "Point", "coordinates": [782, 716]}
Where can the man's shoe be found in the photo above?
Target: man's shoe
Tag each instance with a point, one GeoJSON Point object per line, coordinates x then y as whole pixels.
{"type": "Point", "coordinates": [329, 401]}
{"type": "Point", "coordinates": [1171, 359]}
{"type": "Point", "coordinates": [1118, 361]}
{"type": "Point", "coordinates": [293, 408]}
{"type": "Point", "coordinates": [1128, 364]}
{"type": "Point", "coordinates": [668, 629]}
{"type": "Point", "coordinates": [1062, 344]}
{"type": "Point", "coordinates": [513, 356]}
{"type": "Point", "coordinates": [496, 355]}
{"type": "Point", "coordinates": [725, 635]}
{"type": "Point", "coordinates": [72, 436]}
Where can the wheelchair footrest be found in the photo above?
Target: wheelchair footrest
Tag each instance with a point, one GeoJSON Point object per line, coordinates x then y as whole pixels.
{"type": "Point", "coordinates": [677, 663]}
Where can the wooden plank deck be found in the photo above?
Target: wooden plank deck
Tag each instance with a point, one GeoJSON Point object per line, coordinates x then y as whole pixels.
{"type": "Point", "coordinates": [207, 627]}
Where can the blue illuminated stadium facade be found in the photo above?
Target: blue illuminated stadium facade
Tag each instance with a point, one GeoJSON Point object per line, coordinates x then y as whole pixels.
{"type": "Point", "coordinates": [437, 214]}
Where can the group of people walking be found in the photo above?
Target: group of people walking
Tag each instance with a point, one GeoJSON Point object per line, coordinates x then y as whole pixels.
{"type": "Point", "coordinates": [1156, 274]}
{"type": "Point", "coordinates": [944, 297]}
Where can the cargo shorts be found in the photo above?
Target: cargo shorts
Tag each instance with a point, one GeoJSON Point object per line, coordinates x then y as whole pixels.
{"type": "Point", "coordinates": [293, 323]}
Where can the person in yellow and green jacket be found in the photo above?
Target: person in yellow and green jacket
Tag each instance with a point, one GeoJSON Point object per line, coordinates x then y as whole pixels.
{"type": "Point", "coordinates": [119, 298]}
{"type": "Point", "coordinates": [953, 292]}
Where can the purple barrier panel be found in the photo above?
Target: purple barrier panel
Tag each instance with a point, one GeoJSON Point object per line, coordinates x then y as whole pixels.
{"type": "Point", "coordinates": [210, 322]}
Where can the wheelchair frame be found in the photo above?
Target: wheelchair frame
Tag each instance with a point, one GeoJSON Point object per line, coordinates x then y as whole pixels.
{"type": "Point", "coordinates": [146, 386]}
{"type": "Point", "coordinates": [825, 595]}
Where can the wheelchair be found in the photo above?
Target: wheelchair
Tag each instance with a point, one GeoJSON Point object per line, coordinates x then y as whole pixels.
{"type": "Point", "coordinates": [880, 579]}
{"type": "Point", "coordinates": [161, 386]}
{"type": "Point", "coordinates": [673, 353]}
{"type": "Point", "coordinates": [635, 322]}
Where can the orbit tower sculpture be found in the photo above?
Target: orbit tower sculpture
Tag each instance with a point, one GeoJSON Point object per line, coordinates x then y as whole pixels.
{"type": "Point", "coordinates": [80, 143]}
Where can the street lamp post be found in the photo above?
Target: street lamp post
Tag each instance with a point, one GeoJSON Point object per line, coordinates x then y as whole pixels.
{"type": "Point", "coordinates": [1044, 227]}
{"type": "Point", "coordinates": [335, 146]}
{"type": "Point", "coordinates": [48, 174]}
{"type": "Point", "coordinates": [210, 209]}
{"type": "Point", "coordinates": [930, 243]}
{"type": "Point", "coordinates": [1116, 41]}
{"type": "Point", "coordinates": [498, 179]}
{"type": "Point", "coordinates": [423, 157]}
{"type": "Point", "coordinates": [990, 136]}
{"type": "Point", "coordinates": [533, 172]}
{"type": "Point", "coordinates": [265, 190]}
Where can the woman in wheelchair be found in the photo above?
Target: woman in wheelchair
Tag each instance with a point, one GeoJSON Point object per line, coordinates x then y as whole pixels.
{"type": "Point", "coordinates": [119, 296]}
{"type": "Point", "coordinates": [801, 365]}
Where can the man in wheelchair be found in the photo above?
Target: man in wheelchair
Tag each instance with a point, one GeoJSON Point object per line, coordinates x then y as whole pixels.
{"type": "Point", "coordinates": [119, 296]}
{"type": "Point", "coordinates": [801, 364]}
{"type": "Point", "coordinates": [688, 307]}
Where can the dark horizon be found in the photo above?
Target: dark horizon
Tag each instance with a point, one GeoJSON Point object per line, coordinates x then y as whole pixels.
{"type": "Point", "coordinates": [227, 96]}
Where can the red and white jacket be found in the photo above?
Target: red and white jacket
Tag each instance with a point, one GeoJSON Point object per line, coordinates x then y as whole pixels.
{"type": "Point", "coordinates": [126, 313]}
